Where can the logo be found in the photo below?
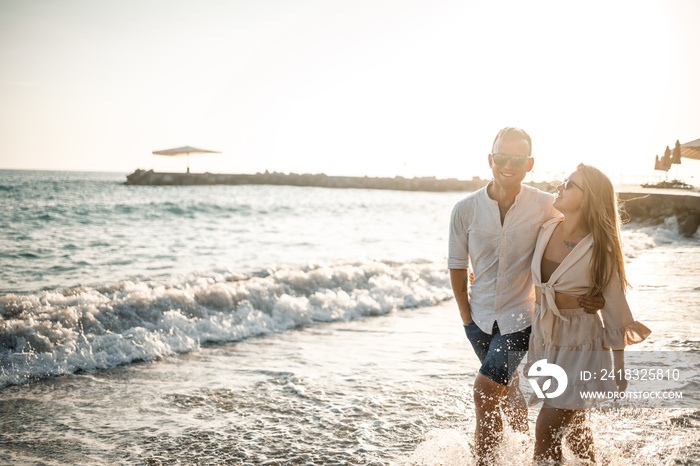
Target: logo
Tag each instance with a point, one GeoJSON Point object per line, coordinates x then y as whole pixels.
{"type": "Point", "coordinates": [544, 369]}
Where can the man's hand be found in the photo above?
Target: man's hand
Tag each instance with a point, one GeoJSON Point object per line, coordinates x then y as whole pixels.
{"type": "Point", "coordinates": [591, 304]}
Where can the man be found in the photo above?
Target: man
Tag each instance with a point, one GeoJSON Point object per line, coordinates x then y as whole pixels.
{"type": "Point", "coordinates": [496, 229]}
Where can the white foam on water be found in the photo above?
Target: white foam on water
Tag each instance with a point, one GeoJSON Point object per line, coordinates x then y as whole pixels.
{"type": "Point", "coordinates": [442, 447]}
{"type": "Point", "coordinates": [88, 328]}
{"type": "Point", "coordinates": [638, 237]}
{"type": "Point", "coordinates": [645, 437]}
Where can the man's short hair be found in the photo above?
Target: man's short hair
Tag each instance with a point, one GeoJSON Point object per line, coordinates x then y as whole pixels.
{"type": "Point", "coordinates": [510, 133]}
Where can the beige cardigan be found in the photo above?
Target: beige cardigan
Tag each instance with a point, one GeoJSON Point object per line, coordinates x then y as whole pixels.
{"type": "Point", "coordinates": [571, 278]}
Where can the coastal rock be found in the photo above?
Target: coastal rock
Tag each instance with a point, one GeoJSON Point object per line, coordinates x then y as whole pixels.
{"type": "Point", "coordinates": [656, 208]}
{"type": "Point", "coordinates": [688, 223]}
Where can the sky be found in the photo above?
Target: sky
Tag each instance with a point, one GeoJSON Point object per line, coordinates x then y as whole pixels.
{"type": "Point", "coordinates": [362, 87]}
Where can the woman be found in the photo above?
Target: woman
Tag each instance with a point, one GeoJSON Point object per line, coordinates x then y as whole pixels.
{"type": "Point", "coordinates": [579, 254]}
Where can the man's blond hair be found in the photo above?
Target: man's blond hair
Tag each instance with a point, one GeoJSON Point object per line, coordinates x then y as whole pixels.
{"type": "Point", "coordinates": [510, 134]}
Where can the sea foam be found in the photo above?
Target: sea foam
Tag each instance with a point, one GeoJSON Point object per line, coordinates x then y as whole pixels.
{"type": "Point", "coordinates": [100, 327]}
{"type": "Point", "coordinates": [638, 237]}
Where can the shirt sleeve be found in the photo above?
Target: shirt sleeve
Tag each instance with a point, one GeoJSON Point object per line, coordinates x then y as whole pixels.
{"type": "Point", "coordinates": [549, 211]}
{"type": "Point", "coordinates": [458, 255]}
{"type": "Point", "coordinates": [620, 327]}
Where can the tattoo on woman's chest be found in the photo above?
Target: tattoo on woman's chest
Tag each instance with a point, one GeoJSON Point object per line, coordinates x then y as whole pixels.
{"type": "Point", "coordinates": [570, 244]}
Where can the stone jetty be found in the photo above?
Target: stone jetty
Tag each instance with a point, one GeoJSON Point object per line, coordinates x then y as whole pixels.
{"type": "Point", "coordinates": [143, 177]}
{"type": "Point", "coordinates": [644, 205]}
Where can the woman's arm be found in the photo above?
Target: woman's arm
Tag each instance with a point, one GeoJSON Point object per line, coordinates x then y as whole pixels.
{"type": "Point", "coordinates": [619, 362]}
{"type": "Point", "coordinates": [620, 327]}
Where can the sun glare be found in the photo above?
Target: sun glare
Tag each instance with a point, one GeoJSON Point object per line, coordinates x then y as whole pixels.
{"type": "Point", "coordinates": [412, 88]}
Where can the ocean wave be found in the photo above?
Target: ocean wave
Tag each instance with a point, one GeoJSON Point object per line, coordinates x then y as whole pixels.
{"type": "Point", "coordinates": [638, 237]}
{"type": "Point", "coordinates": [100, 327]}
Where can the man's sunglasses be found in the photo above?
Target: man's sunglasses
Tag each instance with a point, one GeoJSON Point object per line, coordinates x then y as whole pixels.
{"type": "Point", "coordinates": [567, 182]}
{"type": "Point", "coordinates": [515, 160]}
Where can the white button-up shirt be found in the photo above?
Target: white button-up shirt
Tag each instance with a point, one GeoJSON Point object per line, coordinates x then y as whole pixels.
{"type": "Point", "coordinates": [500, 255]}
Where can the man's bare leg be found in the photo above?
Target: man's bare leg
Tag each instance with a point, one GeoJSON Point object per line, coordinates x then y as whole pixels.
{"type": "Point", "coordinates": [515, 408]}
{"type": "Point", "coordinates": [489, 396]}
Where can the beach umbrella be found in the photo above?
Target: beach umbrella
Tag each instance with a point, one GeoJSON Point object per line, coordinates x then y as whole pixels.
{"type": "Point", "coordinates": [666, 159]}
{"type": "Point", "coordinates": [691, 150]}
{"type": "Point", "coordinates": [186, 150]}
{"type": "Point", "coordinates": [676, 157]}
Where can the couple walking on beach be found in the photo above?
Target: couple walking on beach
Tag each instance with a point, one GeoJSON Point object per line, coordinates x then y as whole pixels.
{"type": "Point", "coordinates": [543, 266]}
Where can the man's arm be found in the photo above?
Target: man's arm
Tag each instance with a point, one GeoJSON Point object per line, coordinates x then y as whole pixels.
{"type": "Point", "coordinates": [460, 287]}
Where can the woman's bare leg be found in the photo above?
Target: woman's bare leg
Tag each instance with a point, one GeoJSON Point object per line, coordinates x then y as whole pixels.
{"type": "Point", "coordinates": [551, 426]}
{"type": "Point", "coordinates": [580, 437]}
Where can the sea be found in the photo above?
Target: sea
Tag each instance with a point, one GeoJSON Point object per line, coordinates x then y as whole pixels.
{"type": "Point", "coordinates": [278, 325]}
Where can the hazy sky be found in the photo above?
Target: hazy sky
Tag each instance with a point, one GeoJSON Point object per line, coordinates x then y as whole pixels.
{"type": "Point", "coordinates": [361, 87]}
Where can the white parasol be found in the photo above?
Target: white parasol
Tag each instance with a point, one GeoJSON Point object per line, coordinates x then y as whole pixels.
{"type": "Point", "coordinates": [186, 150]}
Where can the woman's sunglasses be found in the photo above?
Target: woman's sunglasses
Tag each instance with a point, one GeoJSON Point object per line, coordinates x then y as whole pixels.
{"type": "Point", "coordinates": [567, 182]}
{"type": "Point", "coordinates": [515, 160]}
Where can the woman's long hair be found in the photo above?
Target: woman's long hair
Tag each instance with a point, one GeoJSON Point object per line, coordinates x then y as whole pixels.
{"type": "Point", "coordinates": [603, 220]}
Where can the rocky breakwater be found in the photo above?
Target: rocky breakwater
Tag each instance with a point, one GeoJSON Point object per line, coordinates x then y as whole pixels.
{"type": "Point", "coordinates": [655, 208]}
{"type": "Point", "coordinates": [642, 205]}
{"type": "Point", "coordinates": [398, 183]}
{"type": "Point", "coordinates": [143, 177]}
